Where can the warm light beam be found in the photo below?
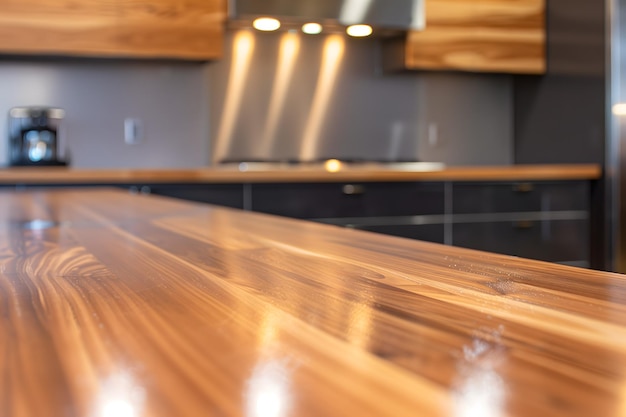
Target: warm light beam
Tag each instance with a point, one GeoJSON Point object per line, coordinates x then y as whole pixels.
{"type": "Point", "coordinates": [331, 59]}
{"type": "Point", "coordinates": [243, 46]}
{"type": "Point", "coordinates": [289, 47]}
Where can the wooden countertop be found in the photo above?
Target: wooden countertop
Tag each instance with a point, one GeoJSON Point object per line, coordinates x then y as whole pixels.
{"type": "Point", "coordinates": [44, 175]}
{"type": "Point", "coordinates": [126, 305]}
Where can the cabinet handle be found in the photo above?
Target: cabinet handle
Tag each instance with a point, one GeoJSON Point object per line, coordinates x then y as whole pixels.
{"type": "Point", "coordinates": [144, 189]}
{"type": "Point", "coordinates": [350, 189]}
{"type": "Point", "coordinates": [523, 187]}
{"type": "Point", "coordinates": [523, 224]}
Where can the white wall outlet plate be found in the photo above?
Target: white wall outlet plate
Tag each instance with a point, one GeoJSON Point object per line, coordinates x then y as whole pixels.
{"type": "Point", "coordinates": [133, 131]}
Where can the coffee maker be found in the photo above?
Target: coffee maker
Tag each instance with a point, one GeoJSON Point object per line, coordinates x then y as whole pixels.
{"type": "Point", "coordinates": [36, 136]}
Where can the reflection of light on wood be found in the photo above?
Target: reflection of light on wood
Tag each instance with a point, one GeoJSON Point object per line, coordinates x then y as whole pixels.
{"type": "Point", "coordinates": [480, 390]}
{"type": "Point", "coordinates": [243, 47]}
{"type": "Point", "coordinates": [333, 52]}
{"type": "Point", "coordinates": [119, 396]}
{"type": "Point", "coordinates": [332, 165]}
{"type": "Point", "coordinates": [268, 330]}
{"type": "Point", "coordinates": [360, 326]}
{"type": "Point", "coordinates": [289, 46]}
{"type": "Point", "coordinates": [268, 393]}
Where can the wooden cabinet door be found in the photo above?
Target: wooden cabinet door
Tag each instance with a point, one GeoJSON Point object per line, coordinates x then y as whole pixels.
{"type": "Point", "coordinates": [58, 27]}
{"type": "Point", "coordinates": [189, 29]}
{"type": "Point", "coordinates": [480, 35]}
{"type": "Point", "coordinates": [181, 29]}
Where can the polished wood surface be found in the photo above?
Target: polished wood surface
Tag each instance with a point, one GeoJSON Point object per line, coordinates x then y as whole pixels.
{"type": "Point", "coordinates": [42, 175]}
{"type": "Point", "coordinates": [481, 35]}
{"type": "Point", "coordinates": [192, 29]}
{"type": "Point", "coordinates": [113, 28]}
{"type": "Point", "coordinates": [126, 305]}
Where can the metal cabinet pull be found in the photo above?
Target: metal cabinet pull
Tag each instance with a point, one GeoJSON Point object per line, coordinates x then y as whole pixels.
{"type": "Point", "coordinates": [523, 187]}
{"type": "Point", "coordinates": [351, 189]}
{"type": "Point", "coordinates": [144, 189]}
{"type": "Point", "coordinates": [523, 224]}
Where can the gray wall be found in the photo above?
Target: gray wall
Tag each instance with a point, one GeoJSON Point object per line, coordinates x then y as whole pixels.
{"type": "Point", "coordinates": [170, 99]}
{"type": "Point", "coordinates": [560, 117]}
{"type": "Point", "coordinates": [369, 115]}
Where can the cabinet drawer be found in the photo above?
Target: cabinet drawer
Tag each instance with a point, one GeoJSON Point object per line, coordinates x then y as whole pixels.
{"type": "Point", "coordinates": [554, 240]}
{"type": "Point", "coordinates": [520, 196]}
{"type": "Point", "coordinates": [327, 200]}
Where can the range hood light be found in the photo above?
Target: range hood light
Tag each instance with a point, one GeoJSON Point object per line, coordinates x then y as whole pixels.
{"type": "Point", "coordinates": [359, 31]}
{"type": "Point", "coordinates": [312, 28]}
{"type": "Point", "coordinates": [266, 24]}
{"type": "Point", "coordinates": [389, 18]}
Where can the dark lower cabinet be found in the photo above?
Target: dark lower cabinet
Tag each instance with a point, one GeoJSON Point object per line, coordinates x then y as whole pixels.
{"type": "Point", "coordinates": [377, 207]}
{"type": "Point", "coordinates": [505, 197]}
{"type": "Point", "coordinates": [544, 220]}
{"type": "Point", "coordinates": [335, 200]}
{"type": "Point", "coordinates": [229, 195]}
{"type": "Point", "coordinates": [551, 240]}
{"type": "Point", "coordinates": [425, 232]}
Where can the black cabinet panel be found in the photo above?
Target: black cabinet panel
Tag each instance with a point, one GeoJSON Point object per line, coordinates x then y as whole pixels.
{"type": "Point", "coordinates": [426, 232]}
{"type": "Point", "coordinates": [229, 195]}
{"type": "Point", "coordinates": [520, 196]}
{"type": "Point", "coordinates": [555, 240]}
{"type": "Point", "coordinates": [327, 200]}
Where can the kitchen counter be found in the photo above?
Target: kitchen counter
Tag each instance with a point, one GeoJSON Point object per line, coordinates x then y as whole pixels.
{"type": "Point", "coordinates": [286, 173]}
{"type": "Point", "coordinates": [128, 305]}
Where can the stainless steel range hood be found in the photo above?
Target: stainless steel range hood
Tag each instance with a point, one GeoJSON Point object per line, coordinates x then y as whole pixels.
{"type": "Point", "coordinates": [381, 14]}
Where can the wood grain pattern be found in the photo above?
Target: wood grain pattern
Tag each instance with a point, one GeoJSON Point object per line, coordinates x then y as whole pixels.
{"type": "Point", "coordinates": [155, 307]}
{"type": "Point", "coordinates": [480, 35]}
{"type": "Point", "coordinates": [188, 29]}
{"type": "Point", "coordinates": [41, 175]}
{"type": "Point", "coordinates": [191, 29]}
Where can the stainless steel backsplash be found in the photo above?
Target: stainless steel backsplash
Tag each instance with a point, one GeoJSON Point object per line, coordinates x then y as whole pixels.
{"type": "Point", "coordinates": [284, 96]}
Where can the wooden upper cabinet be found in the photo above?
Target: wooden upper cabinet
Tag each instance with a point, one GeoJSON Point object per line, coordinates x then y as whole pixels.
{"type": "Point", "coordinates": [55, 27]}
{"type": "Point", "coordinates": [191, 29]}
{"type": "Point", "coordinates": [180, 29]}
{"type": "Point", "coordinates": [480, 35]}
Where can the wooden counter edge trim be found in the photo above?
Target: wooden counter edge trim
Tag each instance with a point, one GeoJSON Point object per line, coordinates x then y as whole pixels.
{"type": "Point", "coordinates": [60, 176]}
